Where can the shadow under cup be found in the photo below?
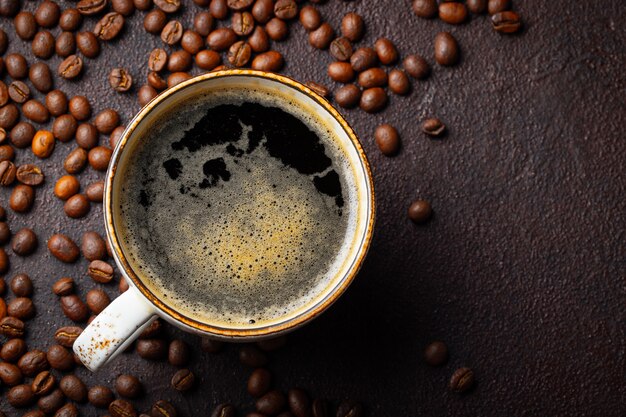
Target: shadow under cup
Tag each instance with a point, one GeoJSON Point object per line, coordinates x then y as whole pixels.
{"type": "Point", "coordinates": [357, 178]}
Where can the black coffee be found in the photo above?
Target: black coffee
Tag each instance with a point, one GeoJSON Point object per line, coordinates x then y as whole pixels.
{"type": "Point", "coordinates": [239, 208]}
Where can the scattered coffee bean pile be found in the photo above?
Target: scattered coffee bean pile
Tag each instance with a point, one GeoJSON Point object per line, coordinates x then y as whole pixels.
{"type": "Point", "coordinates": [225, 33]}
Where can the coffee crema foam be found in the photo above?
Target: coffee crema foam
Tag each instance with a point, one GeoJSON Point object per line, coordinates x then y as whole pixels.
{"type": "Point", "coordinates": [238, 208]}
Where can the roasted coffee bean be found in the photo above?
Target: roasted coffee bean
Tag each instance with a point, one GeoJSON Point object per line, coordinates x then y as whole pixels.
{"type": "Point", "coordinates": [99, 158]}
{"type": "Point", "coordinates": [299, 403]}
{"type": "Point", "coordinates": [506, 22]}
{"type": "Point", "coordinates": [100, 396]}
{"type": "Point", "coordinates": [10, 374]}
{"type": "Point", "coordinates": [242, 23]}
{"type": "Point", "coordinates": [156, 81]}
{"type": "Point", "coordinates": [271, 61]}
{"type": "Point", "coordinates": [100, 271]}
{"type": "Point", "coordinates": [116, 135]}
{"type": "Point", "coordinates": [74, 308]}
{"type": "Point", "coordinates": [91, 7]}
{"type": "Point", "coordinates": [277, 29]}
{"type": "Point", "coordinates": [145, 94]}
{"type": "Point", "coordinates": [177, 78]}
{"type": "Point", "coordinates": [9, 115]}
{"type": "Point", "coordinates": [259, 41]}
{"type": "Point", "coordinates": [65, 44]}
{"type": "Point", "coordinates": [416, 66]}
{"type": "Point", "coordinates": [153, 330]}
{"type": "Point", "coordinates": [399, 82]}
{"type": "Point", "coordinates": [16, 66]}
{"type": "Point", "coordinates": [178, 353]}
{"type": "Point", "coordinates": [497, 6]}
{"type": "Point", "coordinates": [109, 26]}
{"type": "Point", "coordinates": [4, 93]}
{"type": "Point", "coordinates": [70, 19]}
{"type": "Point", "coordinates": [34, 413]}
{"type": "Point", "coordinates": [63, 248]}
{"type": "Point", "coordinates": [22, 285]}
{"type": "Point", "coordinates": [68, 410]}
{"type": "Point", "coordinates": [22, 135]}
{"type": "Point", "coordinates": [24, 243]}
{"type": "Point", "coordinates": [97, 300]}
{"type": "Point", "coordinates": [168, 6]}
{"type": "Point", "coordinates": [80, 108]}
{"type": "Point", "coordinates": [5, 236]}
{"type": "Point", "coordinates": [203, 23]}
{"type": "Point", "coordinates": [263, 10]}
{"type": "Point", "coordinates": [321, 37]}
{"type": "Point", "coordinates": [76, 161]}
{"type": "Point", "coordinates": [420, 211]}
{"type": "Point", "coordinates": [95, 191]}
{"type": "Point", "coordinates": [30, 174]}
{"type": "Point", "coordinates": [386, 51]}
{"type": "Point", "coordinates": [128, 386]}
{"type": "Point", "coordinates": [172, 33]}
{"type": "Point", "coordinates": [239, 4]}
{"type": "Point", "coordinates": [352, 27]}
{"type": "Point", "coordinates": [373, 77]}
{"type": "Point", "coordinates": [123, 7]}
{"type": "Point", "coordinates": [163, 408]}
{"type": "Point", "coordinates": [107, 120]}
{"type": "Point", "coordinates": [6, 153]}
{"type": "Point", "coordinates": [192, 42]}
{"type": "Point", "coordinates": [43, 44]}
{"type": "Point", "coordinates": [43, 141]}
{"type": "Point", "coordinates": [64, 286]}
{"type": "Point", "coordinates": [251, 356]}
{"type": "Point", "coordinates": [239, 54]}
{"type": "Point", "coordinates": [12, 350]}
{"type": "Point", "coordinates": [19, 92]}
{"type": "Point", "coordinates": [271, 403]}
{"type": "Point", "coordinates": [35, 111]}
{"type": "Point", "coordinates": [452, 12]}
{"type": "Point", "coordinates": [373, 100]}
{"type": "Point", "coordinates": [20, 396]}
{"type": "Point", "coordinates": [3, 217]}
{"type": "Point", "coordinates": [183, 380]}
{"type": "Point", "coordinates": [122, 286]}
{"type": "Point", "coordinates": [348, 96]}
{"type": "Point", "coordinates": [71, 67]}
{"type": "Point", "coordinates": [349, 409]}
{"type": "Point", "coordinates": [341, 72]}
{"type": "Point", "coordinates": [73, 388]}
{"type": "Point", "coordinates": [86, 136]}
{"type": "Point", "coordinates": [43, 383]}
{"type": "Point", "coordinates": [56, 103]}
{"type": "Point", "coordinates": [25, 25]}
{"type": "Point", "coordinates": [259, 382]}
{"type": "Point", "coordinates": [285, 9]}
{"type": "Point", "coordinates": [33, 362]}
{"type": "Point", "coordinates": [76, 206]}
{"type": "Point", "coordinates": [4, 267]}
{"type": "Point", "coordinates": [66, 186]}
{"type": "Point", "coordinates": [4, 42]}
{"type": "Point", "coordinates": [64, 127]}
{"type": "Point", "coordinates": [21, 308]}
{"type": "Point", "coordinates": [433, 127]}
{"type": "Point", "coordinates": [446, 49]}
{"type": "Point", "coordinates": [22, 198]}
{"type": "Point", "coordinates": [462, 380]}
{"type": "Point", "coordinates": [436, 353]}
{"type": "Point", "coordinates": [88, 44]}
{"type": "Point", "coordinates": [387, 139]}
{"type": "Point", "coordinates": [319, 408]}
{"type": "Point", "coordinates": [93, 246]}
{"type": "Point", "coordinates": [320, 89]}
{"type": "Point", "coordinates": [66, 336]}
{"type": "Point", "coordinates": [211, 345]}
{"type": "Point", "coordinates": [426, 9]}
{"type": "Point", "coordinates": [10, 327]}
{"type": "Point", "coordinates": [179, 61]}
{"type": "Point", "coordinates": [310, 18]}
{"type": "Point", "coordinates": [341, 49]}
{"type": "Point", "coordinates": [60, 358]}
{"type": "Point", "coordinates": [363, 58]}
{"type": "Point", "coordinates": [155, 21]}
{"type": "Point", "coordinates": [120, 80]}
{"type": "Point", "coordinates": [224, 410]}
{"type": "Point", "coordinates": [7, 173]}
{"type": "Point", "coordinates": [152, 349]}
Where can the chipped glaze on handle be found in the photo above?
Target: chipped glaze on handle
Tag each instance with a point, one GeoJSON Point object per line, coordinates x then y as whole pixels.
{"type": "Point", "coordinates": [114, 329]}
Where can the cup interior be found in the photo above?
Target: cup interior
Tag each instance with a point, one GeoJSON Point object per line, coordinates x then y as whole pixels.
{"type": "Point", "coordinates": [353, 249]}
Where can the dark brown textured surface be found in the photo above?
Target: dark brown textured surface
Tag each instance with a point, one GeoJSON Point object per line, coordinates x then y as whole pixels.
{"type": "Point", "coordinates": [522, 269]}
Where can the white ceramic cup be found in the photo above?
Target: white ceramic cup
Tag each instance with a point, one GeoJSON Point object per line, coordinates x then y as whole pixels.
{"type": "Point", "coordinates": [128, 315]}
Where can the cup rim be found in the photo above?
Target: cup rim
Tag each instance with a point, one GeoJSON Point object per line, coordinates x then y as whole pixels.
{"type": "Point", "coordinates": [178, 318]}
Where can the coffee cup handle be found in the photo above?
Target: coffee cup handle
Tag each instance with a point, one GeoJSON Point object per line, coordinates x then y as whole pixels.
{"type": "Point", "coordinates": [116, 327]}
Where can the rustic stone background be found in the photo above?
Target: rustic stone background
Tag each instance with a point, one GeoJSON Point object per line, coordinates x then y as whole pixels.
{"type": "Point", "coordinates": [522, 269]}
